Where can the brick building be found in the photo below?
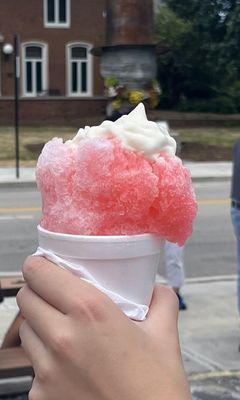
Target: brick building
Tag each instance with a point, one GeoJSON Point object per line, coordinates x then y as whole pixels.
{"type": "Point", "coordinates": [60, 78]}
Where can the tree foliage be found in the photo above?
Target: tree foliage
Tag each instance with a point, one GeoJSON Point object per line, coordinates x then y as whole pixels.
{"type": "Point", "coordinates": [203, 58]}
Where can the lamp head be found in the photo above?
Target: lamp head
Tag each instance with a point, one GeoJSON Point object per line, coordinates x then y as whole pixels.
{"type": "Point", "coordinates": [7, 49]}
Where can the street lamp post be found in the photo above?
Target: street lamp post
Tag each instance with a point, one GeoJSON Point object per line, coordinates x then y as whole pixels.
{"type": "Point", "coordinates": [16, 100]}
{"type": "Point", "coordinates": [8, 49]}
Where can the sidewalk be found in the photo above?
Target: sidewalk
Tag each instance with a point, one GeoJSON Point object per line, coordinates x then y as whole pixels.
{"type": "Point", "coordinates": [8, 177]}
{"type": "Point", "coordinates": [209, 334]}
{"type": "Point", "coordinates": [199, 171]}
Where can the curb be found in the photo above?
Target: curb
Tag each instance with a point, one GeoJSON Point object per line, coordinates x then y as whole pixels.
{"type": "Point", "coordinates": [215, 374]}
{"type": "Point", "coordinates": [211, 279]}
{"type": "Point", "coordinates": [16, 184]}
{"type": "Point", "coordinates": [201, 280]}
{"type": "Point", "coordinates": [211, 178]}
{"type": "Point", "coordinates": [215, 385]}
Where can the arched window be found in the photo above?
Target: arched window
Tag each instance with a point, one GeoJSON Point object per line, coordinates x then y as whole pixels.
{"type": "Point", "coordinates": [79, 70]}
{"type": "Point", "coordinates": [34, 69]}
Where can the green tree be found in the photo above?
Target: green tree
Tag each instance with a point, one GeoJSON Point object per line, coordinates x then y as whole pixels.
{"type": "Point", "coordinates": [231, 47]}
{"type": "Point", "coordinates": [173, 32]}
{"type": "Point", "coordinates": [195, 32]}
{"type": "Point", "coordinates": [204, 9]}
{"type": "Point", "coordinates": [231, 53]}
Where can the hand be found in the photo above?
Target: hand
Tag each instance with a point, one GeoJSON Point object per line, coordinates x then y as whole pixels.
{"type": "Point", "coordinates": [83, 347]}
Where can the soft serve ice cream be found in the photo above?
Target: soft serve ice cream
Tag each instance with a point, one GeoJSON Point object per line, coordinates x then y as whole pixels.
{"type": "Point", "coordinates": [135, 133]}
{"type": "Point", "coordinates": [118, 178]}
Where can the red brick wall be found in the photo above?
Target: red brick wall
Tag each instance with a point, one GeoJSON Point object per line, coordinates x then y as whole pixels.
{"type": "Point", "coordinates": [25, 17]}
{"type": "Point", "coordinates": [53, 111]}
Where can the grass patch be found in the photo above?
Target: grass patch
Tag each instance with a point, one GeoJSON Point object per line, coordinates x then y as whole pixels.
{"type": "Point", "coordinates": [29, 135]}
{"type": "Point", "coordinates": [222, 138]}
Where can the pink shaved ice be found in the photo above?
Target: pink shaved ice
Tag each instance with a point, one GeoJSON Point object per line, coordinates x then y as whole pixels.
{"type": "Point", "coordinates": [98, 187]}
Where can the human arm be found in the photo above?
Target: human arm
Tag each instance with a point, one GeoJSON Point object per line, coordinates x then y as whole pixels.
{"type": "Point", "coordinates": [83, 347]}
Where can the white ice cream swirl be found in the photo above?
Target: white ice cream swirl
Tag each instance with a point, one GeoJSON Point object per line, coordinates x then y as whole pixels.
{"type": "Point", "coordinates": [135, 133]}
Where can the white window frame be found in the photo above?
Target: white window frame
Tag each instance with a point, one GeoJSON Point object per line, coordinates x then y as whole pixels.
{"type": "Point", "coordinates": [89, 61]}
{"type": "Point", "coordinates": [57, 23]}
{"type": "Point", "coordinates": [44, 61]}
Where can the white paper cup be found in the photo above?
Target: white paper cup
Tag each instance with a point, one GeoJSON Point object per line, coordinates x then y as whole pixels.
{"type": "Point", "coordinates": [123, 266]}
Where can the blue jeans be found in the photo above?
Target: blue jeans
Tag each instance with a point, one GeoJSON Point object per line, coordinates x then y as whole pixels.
{"type": "Point", "coordinates": [235, 215]}
{"type": "Point", "coordinates": [174, 262]}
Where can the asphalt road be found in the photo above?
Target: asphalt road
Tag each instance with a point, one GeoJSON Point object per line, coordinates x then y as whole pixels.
{"type": "Point", "coordinates": [209, 252]}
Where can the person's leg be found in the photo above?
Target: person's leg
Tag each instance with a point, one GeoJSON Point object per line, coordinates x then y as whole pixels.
{"type": "Point", "coordinates": [175, 273]}
{"type": "Point", "coordinates": [235, 214]}
{"type": "Point", "coordinates": [238, 272]}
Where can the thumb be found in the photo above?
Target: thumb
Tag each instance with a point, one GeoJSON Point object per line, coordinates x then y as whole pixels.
{"type": "Point", "coordinates": [162, 317]}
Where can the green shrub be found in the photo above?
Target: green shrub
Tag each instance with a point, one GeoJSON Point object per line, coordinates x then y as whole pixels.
{"type": "Point", "coordinates": [234, 92]}
{"type": "Point", "coordinates": [221, 105]}
{"type": "Point", "coordinates": [164, 102]}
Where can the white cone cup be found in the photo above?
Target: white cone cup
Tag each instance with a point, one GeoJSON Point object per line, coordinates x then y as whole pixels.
{"type": "Point", "coordinates": [123, 267]}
